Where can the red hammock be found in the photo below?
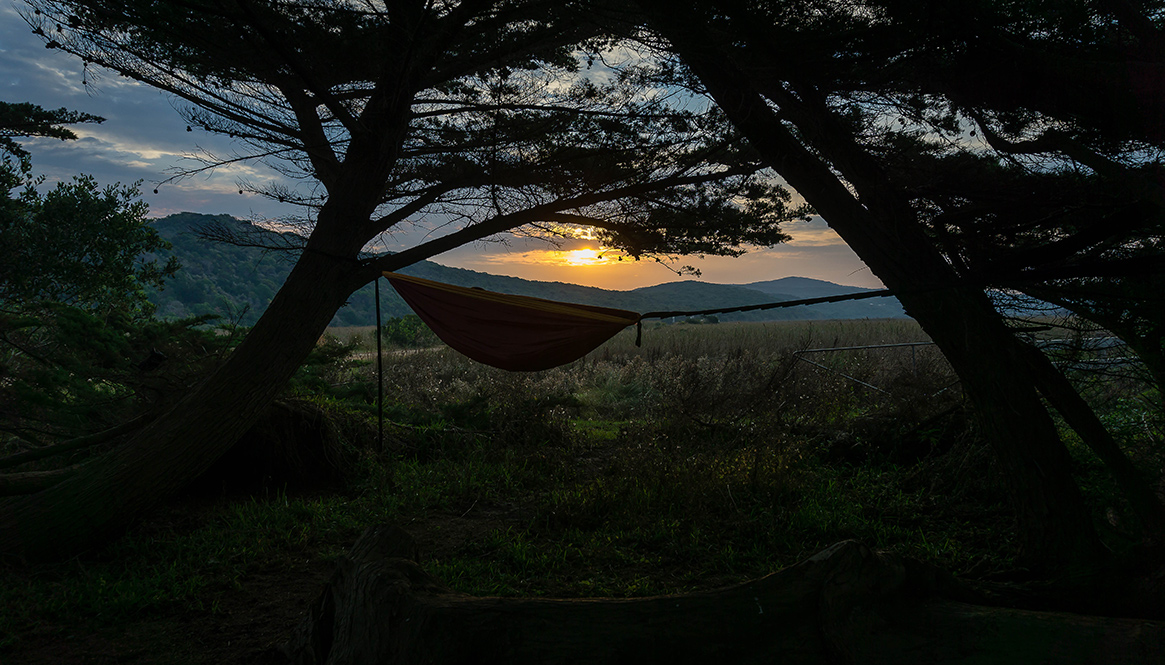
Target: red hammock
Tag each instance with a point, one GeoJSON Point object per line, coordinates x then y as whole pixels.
{"type": "Point", "coordinates": [516, 333]}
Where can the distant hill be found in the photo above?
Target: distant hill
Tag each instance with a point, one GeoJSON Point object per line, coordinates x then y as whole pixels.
{"type": "Point", "coordinates": [801, 288]}
{"type": "Point", "coordinates": [238, 282]}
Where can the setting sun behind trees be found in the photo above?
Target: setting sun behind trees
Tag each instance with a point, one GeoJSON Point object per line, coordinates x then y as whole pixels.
{"type": "Point", "coordinates": [584, 257]}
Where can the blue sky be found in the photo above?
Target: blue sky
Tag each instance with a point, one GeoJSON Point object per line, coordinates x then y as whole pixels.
{"type": "Point", "coordinates": [144, 138]}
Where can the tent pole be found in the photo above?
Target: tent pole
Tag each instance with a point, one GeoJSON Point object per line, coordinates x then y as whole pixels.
{"type": "Point", "coordinates": [379, 376]}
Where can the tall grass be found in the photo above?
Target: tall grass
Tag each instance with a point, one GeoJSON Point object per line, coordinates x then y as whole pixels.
{"type": "Point", "coordinates": [708, 455]}
{"type": "Point", "coordinates": [711, 449]}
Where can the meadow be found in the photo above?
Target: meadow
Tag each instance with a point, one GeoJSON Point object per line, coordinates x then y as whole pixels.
{"type": "Point", "coordinates": [709, 455]}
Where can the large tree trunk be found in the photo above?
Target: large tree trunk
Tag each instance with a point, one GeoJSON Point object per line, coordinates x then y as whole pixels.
{"type": "Point", "coordinates": [1084, 421]}
{"type": "Point", "coordinates": [847, 604]}
{"type": "Point", "coordinates": [164, 456]}
{"type": "Point", "coordinates": [1055, 528]}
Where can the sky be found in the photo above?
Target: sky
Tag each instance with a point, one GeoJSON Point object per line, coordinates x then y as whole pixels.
{"type": "Point", "coordinates": [145, 139]}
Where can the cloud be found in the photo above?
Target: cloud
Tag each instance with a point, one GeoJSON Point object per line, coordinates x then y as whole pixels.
{"type": "Point", "coordinates": [812, 233]}
{"type": "Point", "coordinates": [145, 138]}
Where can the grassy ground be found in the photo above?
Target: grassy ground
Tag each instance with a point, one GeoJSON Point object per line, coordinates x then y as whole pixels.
{"type": "Point", "coordinates": [710, 455]}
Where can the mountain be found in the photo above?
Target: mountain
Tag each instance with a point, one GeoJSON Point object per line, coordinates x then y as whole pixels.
{"type": "Point", "coordinates": [238, 282]}
{"type": "Point", "coordinates": [801, 288]}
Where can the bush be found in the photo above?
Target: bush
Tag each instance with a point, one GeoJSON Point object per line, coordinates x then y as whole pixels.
{"type": "Point", "coordinates": [408, 332]}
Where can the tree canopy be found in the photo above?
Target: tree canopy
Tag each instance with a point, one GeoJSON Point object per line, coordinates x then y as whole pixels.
{"type": "Point", "coordinates": [511, 117]}
{"type": "Point", "coordinates": [951, 147]}
{"type": "Point", "coordinates": [74, 315]}
{"type": "Point", "coordinates": [469, 118]}
{"type": "Point", "coordinates": [22, 120]}
{"type": "Point", "coordinates": [952, 150]}
{"type": "Point", "coordinates": [78, 244]}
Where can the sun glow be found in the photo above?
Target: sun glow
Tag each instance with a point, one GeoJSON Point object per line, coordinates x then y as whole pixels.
{"type": "Point", "coordinates": [584, 257]}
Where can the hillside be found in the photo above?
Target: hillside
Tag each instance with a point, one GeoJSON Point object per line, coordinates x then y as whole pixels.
{"type": "Point", "coordinates": [238, 282]}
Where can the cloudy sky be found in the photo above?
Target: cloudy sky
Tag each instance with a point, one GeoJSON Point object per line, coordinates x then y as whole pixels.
{"type": "Point", "coordinates": [144, 139]}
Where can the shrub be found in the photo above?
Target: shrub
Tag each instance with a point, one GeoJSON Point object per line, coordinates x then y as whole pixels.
{"type": "Point", "coordinates": [408, 332]}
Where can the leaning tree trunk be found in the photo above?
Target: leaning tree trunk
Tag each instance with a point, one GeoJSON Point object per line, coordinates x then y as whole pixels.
{"type": "Point", "coordinates": [847, 604]}
{"type": "Point", "coordinates": [167, 454]}
{"type": "Point", "coordinates": [164, 456]}
{"type": "Point", "coordinates": [1055, 528]}
{"type": "Point", "coordinates": [1083, 420]}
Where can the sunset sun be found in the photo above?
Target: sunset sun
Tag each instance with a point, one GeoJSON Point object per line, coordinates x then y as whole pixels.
{"type": "Point", "coordinates": [583, 257]}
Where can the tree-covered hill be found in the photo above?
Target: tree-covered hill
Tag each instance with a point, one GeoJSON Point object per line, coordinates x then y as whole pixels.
{"type": "Point", "coordinates": [238, 282]}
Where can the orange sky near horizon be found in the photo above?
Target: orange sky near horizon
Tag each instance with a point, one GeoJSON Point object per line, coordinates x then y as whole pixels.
{"type": "Point", "coordinates": [814, 251]}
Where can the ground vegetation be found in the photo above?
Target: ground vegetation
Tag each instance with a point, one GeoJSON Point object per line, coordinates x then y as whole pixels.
{"type": "Point", "coordinates": [708, 456]}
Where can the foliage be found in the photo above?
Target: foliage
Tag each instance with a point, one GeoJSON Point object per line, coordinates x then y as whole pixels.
{"type": "Point", "coordinates": [1052, 188]}
{"type": "Point", "coordinates": [481, 129]}
{"type": "Point", "coordinates": [595, 480]}
{"type": "Point", "coordinates": [24, 120]}
{"type": "Point", "coordinates": [216, 278]}
{"type": "Point", "coordinates": [326, 367]}
{"type": "Point", "coordinates": [408, 332]}
{"type": "Point", "coordinates": [71, 371]}
{"type": "Point", "coordinates": [78, 349]}
{"type": "Point", "coordinates": [547, 484]}
{"type": "Point", "coordinates": [80, 245]}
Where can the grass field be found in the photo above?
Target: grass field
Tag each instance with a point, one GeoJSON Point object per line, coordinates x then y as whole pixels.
{"type": "Point", "coordinates": [709, 455]}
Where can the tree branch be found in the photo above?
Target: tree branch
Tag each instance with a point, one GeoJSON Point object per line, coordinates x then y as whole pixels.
{"type": "Point", "coordinates": [31, 482]}
{"type": "Point", "coordinates": [74, 444]}
{"type": "Point", "coordinates": [502, 223]}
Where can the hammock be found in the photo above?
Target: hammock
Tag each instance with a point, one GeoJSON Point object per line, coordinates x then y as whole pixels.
{"type": "Point", "coordinates": [516, 333]}
{"type": "Point", "coordinates": [521, 333]}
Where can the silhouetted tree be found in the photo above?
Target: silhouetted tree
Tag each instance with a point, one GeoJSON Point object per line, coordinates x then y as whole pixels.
{"type": "Point", "coordinates": [76, 335]}
{"type": "Point", "coordinates": [871, 111]}
{"type": "Point", "coordinates": [480, 115]}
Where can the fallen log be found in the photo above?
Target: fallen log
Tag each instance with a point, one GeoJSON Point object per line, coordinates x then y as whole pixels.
{"type": "Point", "coordinates": [847, 604]}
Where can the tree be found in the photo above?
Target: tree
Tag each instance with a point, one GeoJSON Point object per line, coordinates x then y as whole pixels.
{"type": "Point", "coordinates": [396, 112]}
{"type": "Point", "coordinates": [74, 319]}
{"type": "Point", "coordinates": [1076, 206]}
{"type": "Point", "coordinates": [1074, 120]}
{"type": "Point", "coordinates": [1077, 239]}
{"type": "Point", "coordinates": [80, 244]}
{"type": "Point", "coordinates": [408, 332]}
{"type": "Point", "coordinates": [24, 120]}
{"type": "Point", "coordinates": [1128, 308]}
{"type": "Point", "coordinates": [849, 103]}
